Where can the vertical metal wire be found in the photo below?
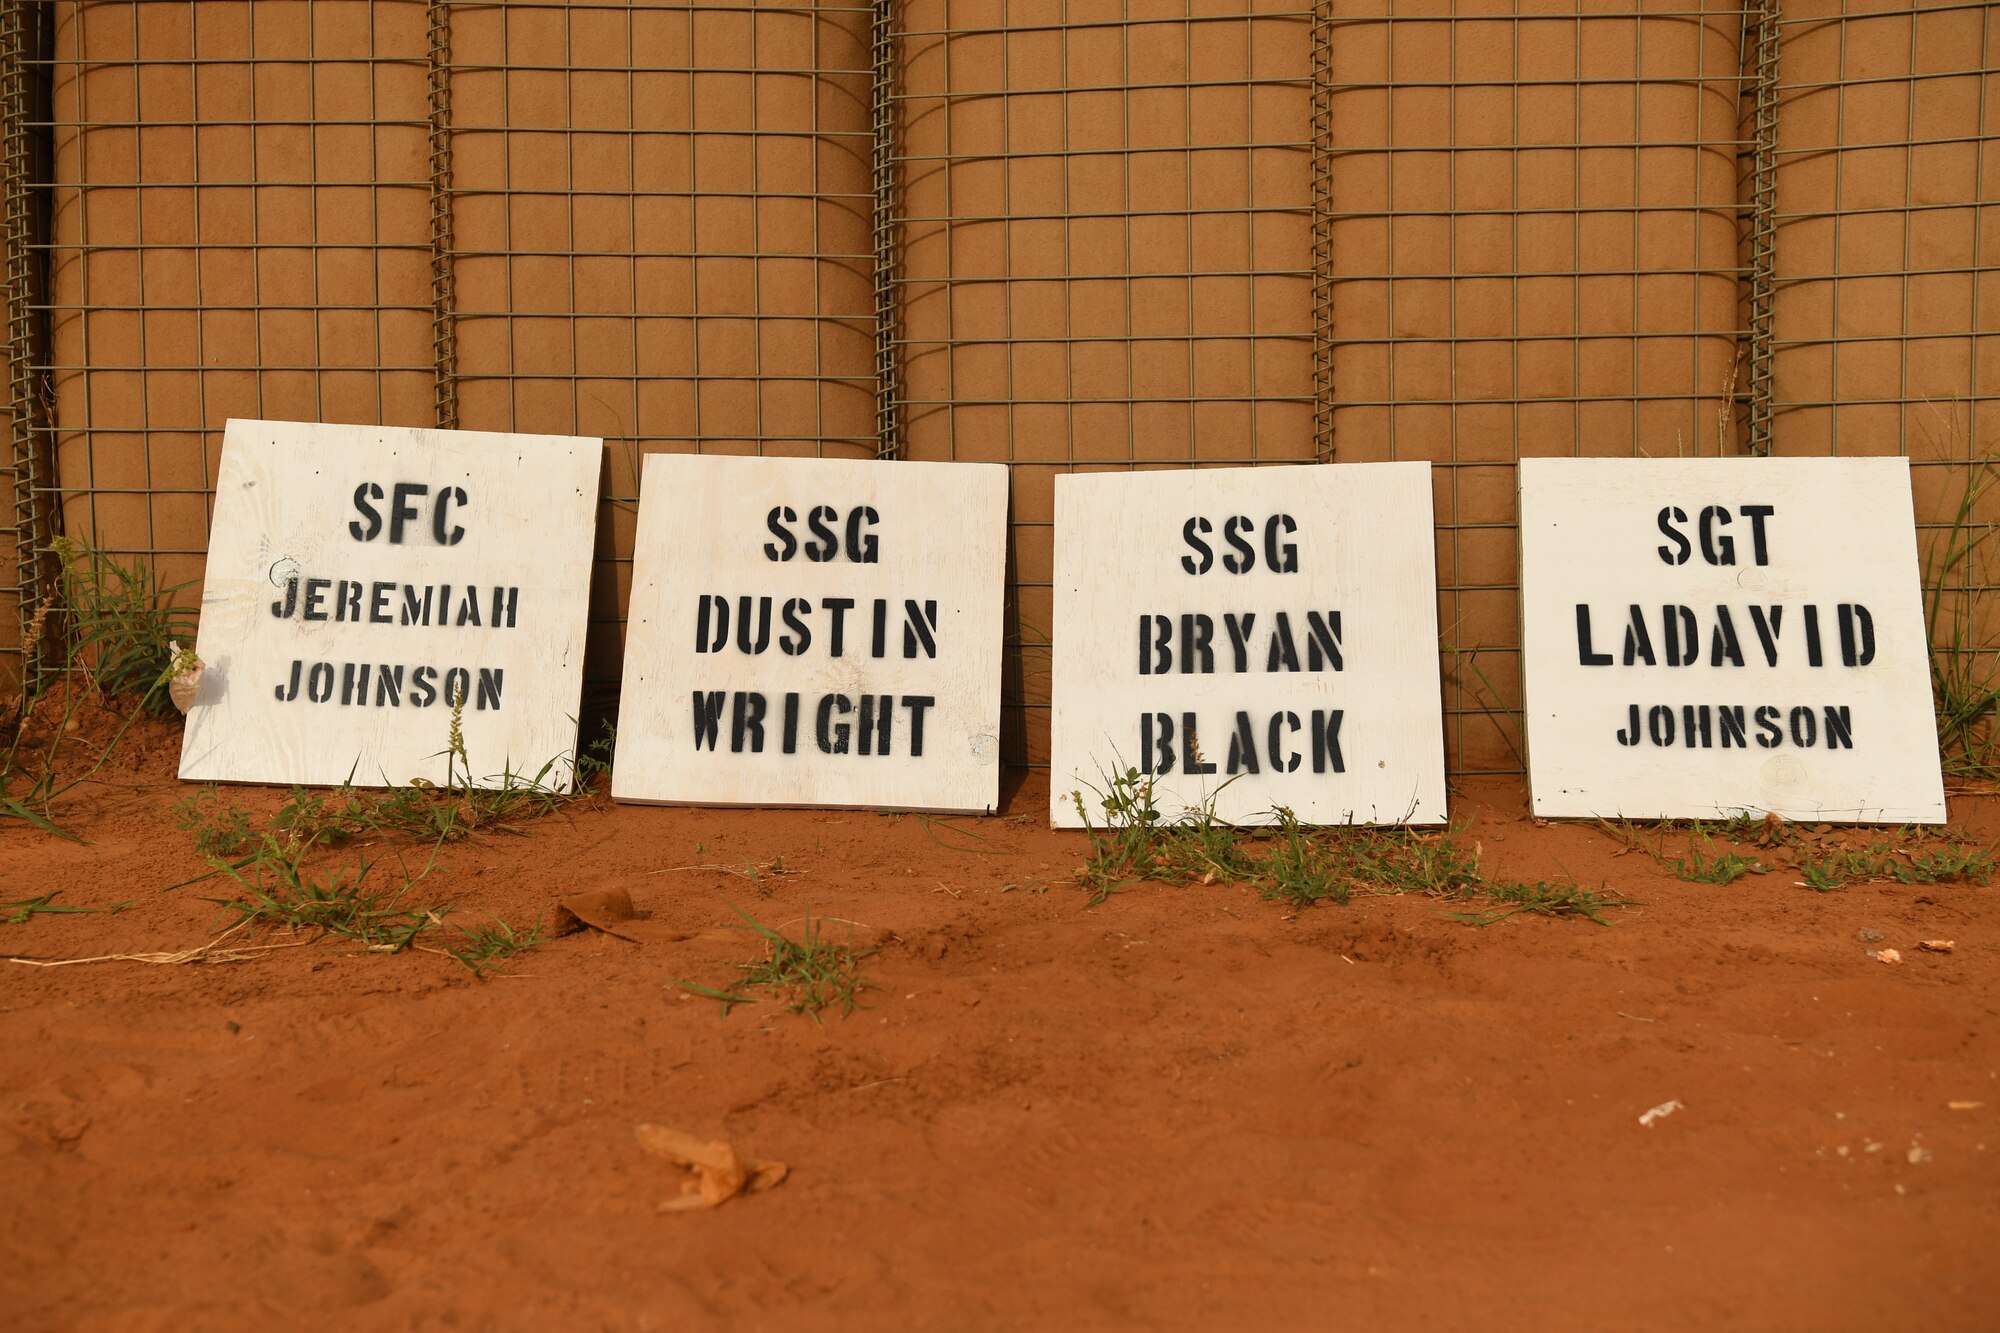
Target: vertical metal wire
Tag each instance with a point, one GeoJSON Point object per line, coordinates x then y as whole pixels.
{"type": "Point", "coordinates": [885, 173]}
{"type": "Point", "coordinates": [1322, 168]}
{"type": "Point", "coordinates": [444, 332]}
{"type": "Point", "coordinates": [19, 272]}
{"type": "Point", "coordinates": [1763, 216]}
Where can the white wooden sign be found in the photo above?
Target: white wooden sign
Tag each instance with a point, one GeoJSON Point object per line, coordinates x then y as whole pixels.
{"type": "Point", "coordinates": [1263, 637]}
{"type": "Point", "coordinates": [1705, 637]}
{"type": "Point", "coordinates": [363, 578]}
{"type": "Point", "coordinates": [812, 631]}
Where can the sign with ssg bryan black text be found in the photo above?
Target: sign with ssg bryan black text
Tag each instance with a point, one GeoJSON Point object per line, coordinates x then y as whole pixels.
{"type": "Point", "coordinates": [362, 580]}
{"type": "Point", "coordinates": [1263, 637]}
{"type": "Point", "coordinates": [1710, 636]}
{"type": "Point", "coordinates": [808, 631]}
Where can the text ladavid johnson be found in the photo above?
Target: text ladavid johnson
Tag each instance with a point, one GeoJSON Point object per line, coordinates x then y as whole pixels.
{"type": "Point", "coordinates": [1728, 639]}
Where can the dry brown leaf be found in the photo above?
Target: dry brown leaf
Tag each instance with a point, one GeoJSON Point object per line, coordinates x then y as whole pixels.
{"type": "Point", "coordinates": [719, 1174]}
{"type": "Point", "coordinates": [610, 911]}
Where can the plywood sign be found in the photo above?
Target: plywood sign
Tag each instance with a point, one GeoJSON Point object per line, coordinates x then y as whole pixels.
{"type": "Point", "coordinates": [1705, 637]}
{"type": "Point", "coordinates": [363, 580]}
{"type": "Point", "coordinates": [1260, 637]}
{"type": "Point", "coordinates": [811, 631]}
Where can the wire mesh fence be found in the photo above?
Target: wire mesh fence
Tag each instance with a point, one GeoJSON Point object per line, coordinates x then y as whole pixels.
{"type": "Point", "coordinates": [1887, 218]}
{"type": "Point", "coordinates": [1534, 252]}
{"type": "Point", "coordinates": [1887, 298]}
{"type": "Point", "coordinates": [1106, 257]}
{"type": "Point", "coordinates": [236, 227]}
{"type": "Point", "coordinates": [662, 234]}
{"type": "Point", "coordinates": [1060, 234]}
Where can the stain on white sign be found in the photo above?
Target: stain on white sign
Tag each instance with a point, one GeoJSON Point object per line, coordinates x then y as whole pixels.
{"type": "Point", "coordinates": [811, 631]}
{"type": "Point", "coordinates": [1261, 638]}
{"type": "Point", "coordinates": [362, 580]}
{"type": "Point", "coordinates": [1707, 637]}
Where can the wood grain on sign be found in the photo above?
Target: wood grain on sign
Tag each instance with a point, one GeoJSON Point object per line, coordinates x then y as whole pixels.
{"type": "Point", "coordinates": [361, 576]}
{"type": "Point", "coordinates": [1287, 616]}
{"type": "Point", "coordinates": [811, 631]}
{"type": "Point", "coordinates": [1709, 636]}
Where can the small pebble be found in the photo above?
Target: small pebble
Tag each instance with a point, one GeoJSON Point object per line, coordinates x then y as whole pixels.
{"type": "Point", "coordinates": [1867, 936]}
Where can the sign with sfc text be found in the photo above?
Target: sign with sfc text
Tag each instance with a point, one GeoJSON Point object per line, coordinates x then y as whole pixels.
{"type": "Point", "coordinates": [385, 605]}
{"type": "Point", "coordinates": [1706, 637]}
{"type": "Point", "coordinates": [815, 631]}
{"type": "Point", "coordinates": [1259, 639]}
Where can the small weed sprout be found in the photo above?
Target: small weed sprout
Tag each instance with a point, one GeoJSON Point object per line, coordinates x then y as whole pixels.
{"type": "Point", "coordinates": [1298, 871]}
{"type": "Point", "coordinates": [277, 887]}
{"type": "Point", "coordinates": [1702, 864]}
{"type": "Point", "coordinates": [27, 909]}
{"type": "Point", "coordinates": [216, 830]}
{"type": "Point", "coordinates": [117, 639]}
{"type": "Point", "coordinates": [1965, 664]}
{"type": "Point", "coordinates": [486, 947]}
{"type": "Point", "coordinates": [1541, 898]}
{"type": "Point", "coordinates": [809, 975]}
{"type": "Point", "coordinates": [1300, 864]}
{"type": "Point", "coordinates": [119, 625]}
{"type": "Point", "coordinates": [1764, 844]}
{"type": "Point", "coordinates": [1135, 843]}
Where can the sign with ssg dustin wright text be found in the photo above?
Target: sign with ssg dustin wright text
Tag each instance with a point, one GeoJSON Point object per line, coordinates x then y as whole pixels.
{"type": "Point", "coordinates": [1705, 637]}
{"type": "Point", "coordinates": [809, 631]}
{"type": "Point", "coordinates": [1262, 638]}
{"type": "Point", "coordinates": [363, 580]}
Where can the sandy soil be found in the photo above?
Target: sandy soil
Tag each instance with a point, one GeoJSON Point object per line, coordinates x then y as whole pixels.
{"type": "Point", "coordinates": [1181, 1108]}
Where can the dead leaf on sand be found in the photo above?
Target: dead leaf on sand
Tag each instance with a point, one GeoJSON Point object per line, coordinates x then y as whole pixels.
{"type": "Point", "coordinates": [610, 911]}
{"type": "Point", "coordinates": [719, 1173]}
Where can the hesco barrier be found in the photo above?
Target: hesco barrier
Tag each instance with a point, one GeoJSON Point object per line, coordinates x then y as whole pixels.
{"type": "Point", "coordinates": [1061, 235]}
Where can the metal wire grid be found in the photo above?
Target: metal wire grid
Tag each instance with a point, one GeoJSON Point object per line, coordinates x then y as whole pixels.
{"type": "Point", "coordinates": [1887, 295]}
{"type": "Point", "coordinates": [1106, 248]}
{"type": "Point", "coordinates": [21, 529]}
{"type": "Point", "coordinates": [1535, 252]}
{"type": "Point", "coordinates": [205, 247]}
{"type": "Point", "coordinates": [238, 205]}
{"type": "Point", "coordinates": [661, 233]}
{"type": "Point", "coordinates": [1888, 223]}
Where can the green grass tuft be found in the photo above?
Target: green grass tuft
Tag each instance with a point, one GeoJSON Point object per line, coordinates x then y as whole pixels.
{"type": "Point", "coordinates": [486, 947]}
{"type": "Point", "coordinates": [808, 975]}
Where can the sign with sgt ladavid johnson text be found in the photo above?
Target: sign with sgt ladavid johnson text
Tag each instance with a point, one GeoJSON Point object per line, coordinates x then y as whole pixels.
{"type": "Point", "coordinates": [1265, 637]}
{"type": "Point", "coordinates": [1710, 636]}
{"type": "Point", "coordinates": [814, 631]}
{"type": "Point", "coordinates": [362, 580]}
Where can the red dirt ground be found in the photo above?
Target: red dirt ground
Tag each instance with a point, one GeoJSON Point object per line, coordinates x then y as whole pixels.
{"type": "Point", "coordinates": [1182, 1108]}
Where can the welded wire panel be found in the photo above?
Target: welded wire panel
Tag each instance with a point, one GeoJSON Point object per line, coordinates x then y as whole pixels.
{"type": "Point", "coordinates": [238, 210]}
{"type": "Point", "coordinates": [1887, 309]}
{"type": "Point", "coordinates": [19, 593]}
{"type": "Point", "coordinates": [1888, 225]}
{"type": "Point", "coordinates": [661, 235]}
{"type": "Point", "coordinates": [1106, 255]}
{"type": "Point", "coordinates": [1534, 252]}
